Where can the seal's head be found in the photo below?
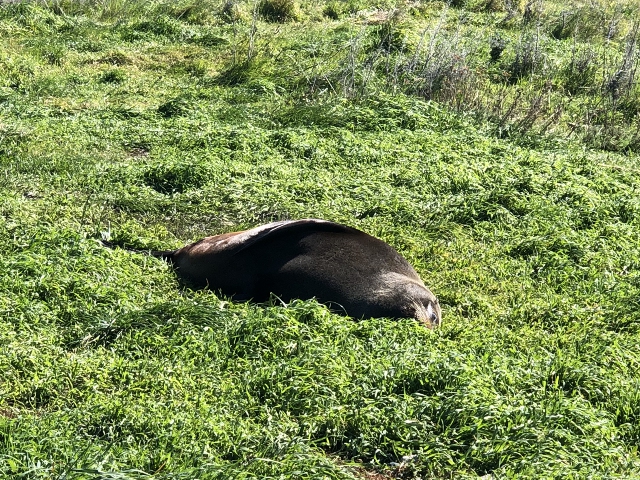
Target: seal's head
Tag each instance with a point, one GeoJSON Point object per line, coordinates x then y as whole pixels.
{"type": "Point", "coordinates": [428, 312]}
{"type": "Point", "coordinates": [414, 298]}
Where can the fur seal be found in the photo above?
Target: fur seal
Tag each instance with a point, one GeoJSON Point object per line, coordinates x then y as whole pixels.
{"type": "Point", "coordinates": [348, 270]}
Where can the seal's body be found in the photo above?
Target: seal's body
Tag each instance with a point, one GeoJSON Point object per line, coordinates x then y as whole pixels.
{"type": "Point", "coordinates": [350, 271]}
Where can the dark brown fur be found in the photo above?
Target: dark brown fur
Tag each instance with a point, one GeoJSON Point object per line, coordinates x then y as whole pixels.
{"type": "Point", "coordinates": [352, 272]}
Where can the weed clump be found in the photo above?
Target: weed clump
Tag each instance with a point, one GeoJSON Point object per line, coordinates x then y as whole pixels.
{"type": "Point", "coordinates": [175, 107]}
{"type": "Point", "coordinates": [279, 10]}
{"type": "Point", "coordinates": [231, 12]}
{"type": "Point", "coordinates": [579, 74]}
{"type": "Point", "coordinates": [498, 44]}
{"type": "Point", "coordinates": [114, 76]}
{"type": "Point", "coordinates": [237, 73]}
{"type": "Point", "coordinates": [528, 58]}
{"type": "Point", "coordinates": [393, 36]}
{"type": "Point", "coordinates": [161, 26]}
{"type": "Point", "coordinates": [176, 177]}
{"type": "Point", "coordinates": [209, 40]}
{"type": "Point", "coordinates": [54, 55]}
{"type": "Point", "coordinates": [333, 10]}
{"type": "Point", "coordinates": [584, 23]}
{"type": "Point", "coordinates": [195, 12]}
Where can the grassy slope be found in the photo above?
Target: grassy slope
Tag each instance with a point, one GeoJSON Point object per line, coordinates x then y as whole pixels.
{"type": "Point", "coordinates": [142, 128]}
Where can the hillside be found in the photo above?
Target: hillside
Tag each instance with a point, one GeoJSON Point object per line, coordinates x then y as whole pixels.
{"type": "Point", "coordinates": [494, 144]}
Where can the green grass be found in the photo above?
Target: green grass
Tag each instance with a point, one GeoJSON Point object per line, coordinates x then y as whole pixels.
{"type": "Point", "coordinates": [162, 122]}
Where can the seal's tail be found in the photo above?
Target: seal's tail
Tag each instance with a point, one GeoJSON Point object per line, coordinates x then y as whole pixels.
{"type": "Point", "coordinates": [163, 254]}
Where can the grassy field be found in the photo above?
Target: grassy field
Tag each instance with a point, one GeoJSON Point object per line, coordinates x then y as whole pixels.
{"type": "Point", "coordinates": [494, 144]}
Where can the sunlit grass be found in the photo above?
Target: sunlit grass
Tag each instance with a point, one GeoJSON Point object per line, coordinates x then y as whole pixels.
{"type": "Point", "coordinates": [162, 122]}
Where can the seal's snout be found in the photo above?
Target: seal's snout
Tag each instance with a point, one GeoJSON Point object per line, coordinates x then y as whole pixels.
{"type": "Point", "coordinates": [430, 315]}
{"type": "Point", "coordinates": [434, 315]}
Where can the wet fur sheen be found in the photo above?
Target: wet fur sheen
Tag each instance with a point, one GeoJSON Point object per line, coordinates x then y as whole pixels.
{"type": "Point", "coordinates": [352, 272]}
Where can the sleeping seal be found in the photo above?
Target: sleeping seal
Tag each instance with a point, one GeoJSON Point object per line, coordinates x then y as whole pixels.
{"type": "Point", "coordinates": [350, 271]}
